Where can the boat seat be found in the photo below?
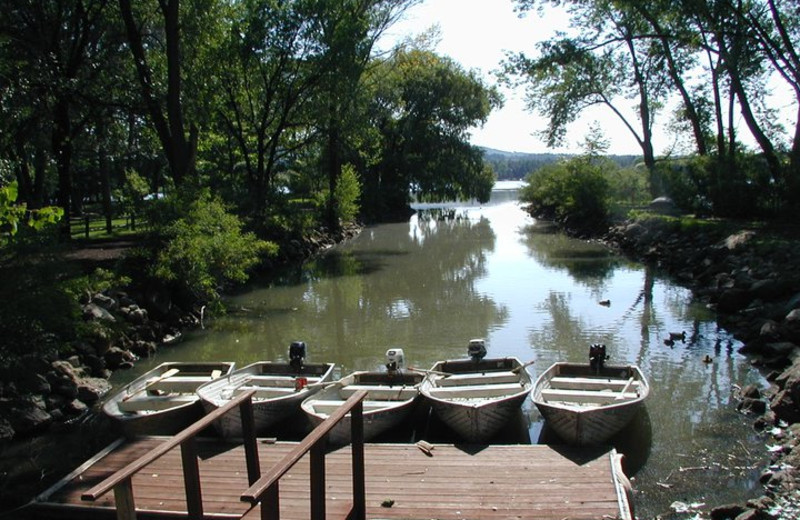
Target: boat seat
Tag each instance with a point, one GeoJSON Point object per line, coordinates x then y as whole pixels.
{"type": "Point", "coordinates": [477, 379]}
{"type": "Point", "coordinates": [155, 402]}
{"type": "Point", "coordinates": [590, 383]}
{"type": "Point", "coordinates": [381, 393]}
{"type": "Point", "coordinates": [329, 406]}
{"type": "Point", "coordinates": [179, 384]}
{"type": "Point", "coordinates": [476, 391]}
{"type": "Point", "coordinates": [586, 396]}
{"type": "Point", "coordinates": [264, 392]}
{"type": "Point", "coordinates": [279, 381]}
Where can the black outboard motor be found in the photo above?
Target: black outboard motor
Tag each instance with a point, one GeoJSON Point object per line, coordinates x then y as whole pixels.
{"type": "Point", "coordinates": [297, 354]}
{"type": "Point", "coordinates": [476, 349]}
{"type": "Point", "coordinates": [597, 356]}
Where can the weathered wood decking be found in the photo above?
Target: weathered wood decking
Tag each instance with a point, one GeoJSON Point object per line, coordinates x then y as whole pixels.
{"type": "Point", "coordinates": [454, 482]}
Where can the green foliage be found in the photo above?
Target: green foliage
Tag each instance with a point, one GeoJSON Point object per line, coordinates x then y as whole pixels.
{"type": "Point", "coordinates": [132, 192]}
{"type": "Point", "coordinates": [708, 185]}
{"type": "Point", "coordinates": [347, 194]}
{"type": "Point", "coordinates": [425, 106]}
{"type": "Point", "coordinates": [39, 303]}
{"type": "Point", "coordinates": [205, 247]}
{"type": "Point", "coordinates": [574, 192]}
{"type": "Point", "coordinates": [12, 214]}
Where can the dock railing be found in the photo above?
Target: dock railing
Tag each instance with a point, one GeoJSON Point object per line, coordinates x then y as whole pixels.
{"type": "Point", "coordinates": [121, 481]}
{"type": "Point", "coordinates": [263, 490]}
{"type": "Point", "coordinates": [266, 489]}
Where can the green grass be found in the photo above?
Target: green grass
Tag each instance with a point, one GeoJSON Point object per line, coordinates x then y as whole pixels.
{"type": "Point", "coordinates": [120, 227]}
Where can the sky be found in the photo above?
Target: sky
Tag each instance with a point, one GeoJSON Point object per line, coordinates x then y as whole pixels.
{"type": "Point", "coordinates": [477, 34]}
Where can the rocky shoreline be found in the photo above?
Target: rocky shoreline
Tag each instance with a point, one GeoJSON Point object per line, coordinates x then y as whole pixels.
{"type": "Point", "coordinates": [751, 278]}
{"type": "Point", "coordinates": [122, 326]}
{"type": "Point", "coordinates": [753, 283]}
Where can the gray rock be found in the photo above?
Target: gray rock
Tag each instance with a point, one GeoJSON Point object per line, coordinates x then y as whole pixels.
{"type": "Point", "coordinates": [138, 316]}
{"type": "Point", "coordinates": [664, 206]}
{"type": "Point", "coordinates": [785, 407]}
{"type": "Point", "coordinates": [749, 405]}
{"type": "Point", "coordinates": [92, 311]}
{"type": "Point", "coordinates": [75, 407]}
{"type": "Point", "coordinates": [105, 301]}
{"type": "Point", "coordinates": [25, 417]}
{"type": "Point", "coordinates": [732, 300]}
{"type": "Point", "coordinates": [92, 389]}
{"type": "Point", "coordinates": [769, 330]}
{"type": "Point", "coordinates": [770, 289]}
{"type": "Point", "coordinates": [727, 511]}
{"type": "Point", "coordinates": [6, 430]}
{"type": "Point", "coordinates": [115, 357]}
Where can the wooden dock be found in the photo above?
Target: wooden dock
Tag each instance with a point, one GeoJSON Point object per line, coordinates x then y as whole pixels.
{"type": "Point", "coordinates": [402, 481]}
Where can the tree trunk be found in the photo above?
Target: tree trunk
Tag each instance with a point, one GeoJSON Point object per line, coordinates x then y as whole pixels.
{"type": "Point", "coordinates": [179, 151]}
{"type": "Point", "coordinates": [62, 149]}
{"type": "Point", "coordinates": [677, 80]}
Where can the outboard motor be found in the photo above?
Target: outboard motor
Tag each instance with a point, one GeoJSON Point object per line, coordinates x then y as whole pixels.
{"type": "Point", "coordinates": [597, 356]}
{"type": "Point", "coordinates": [476, 349]}
{"type": "Point", "coordinates": [297, 354]}
{"type": "Point", "coordinates": [395, 359]}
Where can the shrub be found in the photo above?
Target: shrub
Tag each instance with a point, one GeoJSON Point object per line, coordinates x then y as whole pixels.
{"type": "Point", "coordinates": [573, 192]}
{"type": "Point", "coordinates": [345, 196]}
{"type": "Point", "coordinates": [205, 248]}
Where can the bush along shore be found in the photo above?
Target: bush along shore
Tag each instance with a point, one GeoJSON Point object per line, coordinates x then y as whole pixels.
{"type": "Point", "coordinates": [750, 276]}
{"type": "Point", "coordinates": [46, 393]}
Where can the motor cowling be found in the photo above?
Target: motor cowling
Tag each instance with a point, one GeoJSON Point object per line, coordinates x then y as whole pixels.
{"type": "Point", "coordinates": [395, 359]}
{"type": "Point", "coordinates": [597, 356]}
{"type": "Point", "coordinates": [476, 349]}
{"type": "Point", "coordinates": [297, 355]}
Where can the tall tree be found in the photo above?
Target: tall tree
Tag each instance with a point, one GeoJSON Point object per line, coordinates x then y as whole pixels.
{"type": "Point", "coordinates": [168, 119]}
{"type": "Point", "coordinates": [266, 77]}
{"type": "Point", "coordinates": [348, 31]}
{"type": "Point", "coordinates": [605, 64]}
{"type": "Point", "coordinates": [423, 106]}
{"type": "Point", "coordinates": [56, 51]}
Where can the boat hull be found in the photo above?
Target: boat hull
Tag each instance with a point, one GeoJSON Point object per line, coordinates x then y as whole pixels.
{"type": "Point", "coordinates": [476, 400]}
{"type": "Point", "coordinates": [278, 393]}
{"type": "Point", "coordinates": [389, 402]}
{"type": "Point", "coordinates": [143, 407]}
{"type": "Point", "coordinates": [590, 423]}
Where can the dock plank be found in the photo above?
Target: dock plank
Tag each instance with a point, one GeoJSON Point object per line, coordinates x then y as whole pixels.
{"type": "Point", "coordinates": [454, 482]}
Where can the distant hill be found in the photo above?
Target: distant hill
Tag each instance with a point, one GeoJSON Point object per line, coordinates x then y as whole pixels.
{"type": "Point", "coordinates": [517, 165]}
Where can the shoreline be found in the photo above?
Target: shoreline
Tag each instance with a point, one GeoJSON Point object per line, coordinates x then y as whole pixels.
{"type": "Point", "coordinates": [751, 279]}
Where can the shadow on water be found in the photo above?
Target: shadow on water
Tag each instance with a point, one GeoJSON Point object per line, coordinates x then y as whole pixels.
{"type": "Point", "coordinates": [634, 441]}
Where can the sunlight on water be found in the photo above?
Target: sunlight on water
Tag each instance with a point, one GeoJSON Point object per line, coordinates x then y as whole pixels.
{"type": "Point", "coordinates": [461, 271]}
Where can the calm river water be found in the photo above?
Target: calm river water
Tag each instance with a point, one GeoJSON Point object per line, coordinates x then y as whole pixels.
{"type": "Point", "coordinates": [462, 271]}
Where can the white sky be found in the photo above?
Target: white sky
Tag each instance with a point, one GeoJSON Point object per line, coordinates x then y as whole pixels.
{"type": "Point", "coordinates": [477, 33]}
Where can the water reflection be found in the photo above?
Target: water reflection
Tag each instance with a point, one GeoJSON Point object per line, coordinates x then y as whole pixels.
{"type": "Point", "coordinates": [454, 272]}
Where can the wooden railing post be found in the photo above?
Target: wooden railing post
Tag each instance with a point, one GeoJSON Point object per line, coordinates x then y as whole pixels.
{"type": "Point", "coordinates": [120, 482]}
{"type": "Point", "coordinates": [357, 438]}
{"type": "Point", "coordinates": [265, 490]}
{"type": "Point", "coordinates": [271, 503]}
{"type": "Point", "coordinates": [191, 478]}
{"type": "Point", "coordinates": [123, 498]}
{"type": "Point", "coordinates": [317, 480]}
{"type": "Point", "coordinates": [250, 442]}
